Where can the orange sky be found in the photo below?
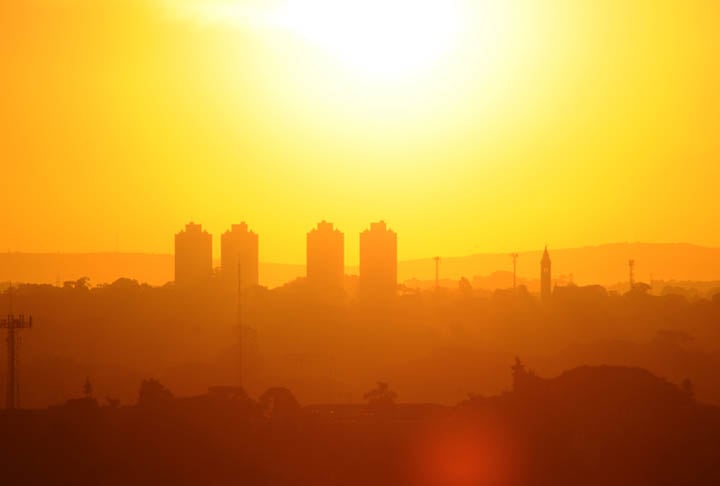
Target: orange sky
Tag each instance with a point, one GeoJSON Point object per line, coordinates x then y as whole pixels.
{"type": "Point", "coordinates": [541, 122]}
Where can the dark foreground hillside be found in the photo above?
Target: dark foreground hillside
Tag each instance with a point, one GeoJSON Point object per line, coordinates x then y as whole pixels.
{"type": "Point", "coordinates": [589, 426]}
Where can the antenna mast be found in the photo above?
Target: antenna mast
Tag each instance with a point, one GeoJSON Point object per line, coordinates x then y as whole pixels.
{"type": "Point", "coordinates": [13, 324]}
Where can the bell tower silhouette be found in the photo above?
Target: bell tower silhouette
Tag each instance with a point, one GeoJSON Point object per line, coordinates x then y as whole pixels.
{"type": "Point", "coordinates": [545, 277]}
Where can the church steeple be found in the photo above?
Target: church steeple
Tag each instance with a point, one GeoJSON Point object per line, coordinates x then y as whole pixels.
{"type": "Point", "coordinates": [545, 277]}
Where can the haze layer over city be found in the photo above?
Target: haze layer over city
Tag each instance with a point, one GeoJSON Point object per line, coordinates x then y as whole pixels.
{"type": "Point", "coordinates": [362, 242]}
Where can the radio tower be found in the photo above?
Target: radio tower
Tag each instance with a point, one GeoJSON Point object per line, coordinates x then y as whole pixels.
{"type": "Point", "coordinates": [437, 272]}
{"type": "Point", "coordinates": [13, 324]}
{"type": "Point", "coordinates": [631, 267]}
{"type": "Point", "coordinates": [514, 257]}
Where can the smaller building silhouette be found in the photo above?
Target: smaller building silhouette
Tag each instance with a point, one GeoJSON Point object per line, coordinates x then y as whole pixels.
{"type": "Point", "coordinates": [378, 263]}
{"type": "Point", "coordinates": [239, 249]}
{"type": "Point", "coordinates": [545, 277]}
{"type": "Point", "coordinates": [325, 257]}
{"type": "Point", "coordinates": [193, 256]}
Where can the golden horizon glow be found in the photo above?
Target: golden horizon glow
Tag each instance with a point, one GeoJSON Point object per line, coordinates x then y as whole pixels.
{"type": "Point", "coordinates": [468, 125]}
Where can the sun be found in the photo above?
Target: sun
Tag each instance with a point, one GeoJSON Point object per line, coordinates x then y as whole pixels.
{"type": "Point", "coordinates": [377, 38]}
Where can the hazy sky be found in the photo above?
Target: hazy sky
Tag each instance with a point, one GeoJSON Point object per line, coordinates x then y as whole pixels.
{"type": "Point", "coordinates": [468, 125]}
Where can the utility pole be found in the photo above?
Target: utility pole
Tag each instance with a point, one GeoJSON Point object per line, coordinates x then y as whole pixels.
{"type": "Point", "coordinates": [514, 257]}
{"type": "Point", "coordinates": [13, 324]}
{"type": "Point", "coordinates": [437, 272]}
{"type": "Point", "coordinates": [631, 266]}
{"type": "Point", "coordinates": [240, 320]}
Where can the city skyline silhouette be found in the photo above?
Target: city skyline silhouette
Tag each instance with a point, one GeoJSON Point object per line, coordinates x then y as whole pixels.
{"type": "Point", "coordinates": [360, 242]}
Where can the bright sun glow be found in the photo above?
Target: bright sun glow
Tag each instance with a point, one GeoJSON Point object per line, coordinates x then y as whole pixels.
{"type": "Point", "coordinates": [378, 38]}
{"type": "Point", "coordinates": [375, 38]}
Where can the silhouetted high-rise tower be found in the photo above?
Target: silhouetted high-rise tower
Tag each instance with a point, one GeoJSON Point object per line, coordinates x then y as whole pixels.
{"type": "Point", "coordinates": [545, 277]}
{"type": "Point", "coordinates": [193, 256]}
{"type": "Point", "coordinates": [378, 262]}
{"type": "Point", "coordinates": [325, 257]}
{"type": "Point", "coordinates": [239, 250]}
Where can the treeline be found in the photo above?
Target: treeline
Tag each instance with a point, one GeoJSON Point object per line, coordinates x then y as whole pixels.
{"type": "Point", "coordinates": [432, 344]}
{"type": "Point", "coordinates": [589, 425]}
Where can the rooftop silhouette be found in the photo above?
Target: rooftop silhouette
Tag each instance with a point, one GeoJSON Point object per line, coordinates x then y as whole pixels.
{"type": "Point", "coordinates": [325, 257]}
{"type": "Point", "coordinates": [193, 256]}
{"type": "Point", "coordinates": [239, 250]}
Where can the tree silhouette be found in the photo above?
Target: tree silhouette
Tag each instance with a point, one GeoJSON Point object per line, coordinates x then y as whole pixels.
{"type": "Point", "coordinates": [87, 388]}
{"type": "Point", "coordinates": [641, 288]}
{"type": "Point", "coordinates": [153, 394]}
{"type": "Point", "coordinates": [279, 402]}
{"type": "Point", "coordinates": [381, 398]}
{"type": "Point", "coordinates": [82, 283]}
{"type": "Point", "coordinates": [522, 377]}
{"type": "Point", "coordinates": [465, 287]}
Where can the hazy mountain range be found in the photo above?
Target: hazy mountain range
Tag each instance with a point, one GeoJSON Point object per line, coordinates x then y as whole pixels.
{"type": "Point", "coordinates": [603, 264]}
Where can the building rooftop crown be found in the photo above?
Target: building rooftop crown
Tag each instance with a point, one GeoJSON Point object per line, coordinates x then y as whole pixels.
{"type": "Point", "coordinates": [193, 228]}
{"type": "Point", "coordinates": [325, 227]}
{"type": "Point", "coordinates": [379, 227]}
{"type": "Point", "coordinates": [240, 228]}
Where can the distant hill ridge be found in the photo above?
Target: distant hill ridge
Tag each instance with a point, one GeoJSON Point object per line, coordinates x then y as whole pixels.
{"type": "Point", "coordinates": [603, 264]}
